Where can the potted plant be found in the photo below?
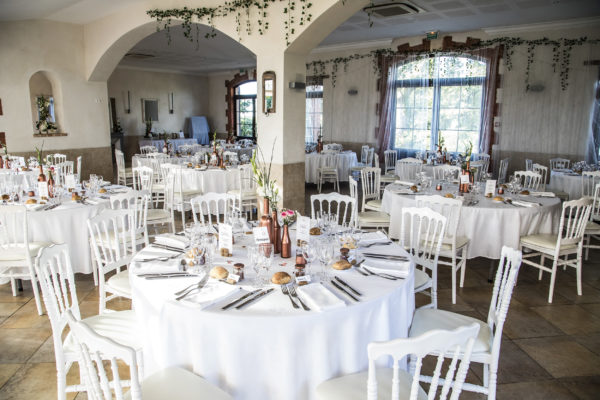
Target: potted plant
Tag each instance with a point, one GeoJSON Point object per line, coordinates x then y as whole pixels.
{"type": "Point", "coordinates": [148, 124]}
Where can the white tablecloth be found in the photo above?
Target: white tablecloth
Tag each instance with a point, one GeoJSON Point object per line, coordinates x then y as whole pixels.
{"type": "Point", "coordinates": [210, 180]}
{"type": "Point", "coordinates": [568, 182]}
{"type": "Point", "coordinates": [27, 179]}
{"type": "Point", "coordinates": [489, 224]}
{"type": "Point", "coordinates": [314, 161]}
{"type": "Point", "coordinates": [160, 143]}
{"type": "Point", "coordinates": [268, 350]}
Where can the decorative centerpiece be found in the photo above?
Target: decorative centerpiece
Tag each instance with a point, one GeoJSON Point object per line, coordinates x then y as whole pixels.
{"type": "Point", "coordinates": [4, 158]}
{"type": "Point", "coordinates": [320, 142]}
{"type": "Point", "coordinates": [267, 187]}
{"type": "Point", "coordinates": [40, 160]}
{"type": "Point", "coordinates": [148, 129]}
{"type": "Point", "coordinates": [44, 123]}
{"type": "Point", "coordinates": [287, 216]}
{"type": "Point", "coordinates": [466, 168]}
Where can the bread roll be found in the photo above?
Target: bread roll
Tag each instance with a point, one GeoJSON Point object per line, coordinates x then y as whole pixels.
{"type": "Point", "coordinates": [414, 188]}
{"type": "Point", "coordinates": [102, 190]}
{"type": "Point", "coordinates": [499, 198]}
{"type": "Point", "coordinates": [218, 272]}
{"type": "Point", "coordinates": [281, 278]}
{"type": "Point", "coordinates": [315, 231]}
{"type": "Point", "coordinates": [75, 197]}
{"type": "Point", "coordinates": [525, 192]}
{"type": "Point", "coordinates": [449, 195]}
{"type": "Point", "coordinates": [31, 201]}
{"type": "Point", "coordinates": [341, 265]}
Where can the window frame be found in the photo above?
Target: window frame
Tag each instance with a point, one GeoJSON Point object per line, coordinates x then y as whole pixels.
{"type": "Point", "coordinates": [314, 95]}
{"type": "Point", "coordinates": [236, 98]}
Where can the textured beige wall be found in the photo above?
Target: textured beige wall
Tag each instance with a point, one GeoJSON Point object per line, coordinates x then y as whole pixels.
{"type": "Point", "coordinates": [190, 93]}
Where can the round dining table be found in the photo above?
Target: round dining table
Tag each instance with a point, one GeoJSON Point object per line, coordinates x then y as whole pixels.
{"type": "Point", "coordinates": [267, 349]}
{"type": "Point", "coordinates": [489, 224]}
{"type": "Point", "coordinates": [345, 161]}
{"type": "Point", "coordinates": [209, 179]}
{"type": "Point", "coordinates": [566, 181]}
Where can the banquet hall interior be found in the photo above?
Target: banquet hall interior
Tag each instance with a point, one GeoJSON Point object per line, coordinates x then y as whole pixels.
{"type": "Point", "coordinates": [296, 199]}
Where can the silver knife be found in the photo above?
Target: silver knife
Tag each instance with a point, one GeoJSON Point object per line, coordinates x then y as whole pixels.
{"type": "Point", "coordinates": [384, 256]}
{"type": "Point", "coordinates": [348, 286]}
{"type": "Point", "coordinates": [169, 248]}
{"type": "Point", "coordinates": [254, 298]}
{"type": "Point", "coordinates": [167, 276]}
{"type": "Point", "coordinates": [240, 299]}
{"type": "Point", "coordinates": [334, 283]}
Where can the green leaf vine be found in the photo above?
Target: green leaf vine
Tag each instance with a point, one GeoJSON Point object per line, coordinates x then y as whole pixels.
{"type": "Point", "coordinates": [246, 13]}
{"type": "Point", "coordinates": [561, 56]}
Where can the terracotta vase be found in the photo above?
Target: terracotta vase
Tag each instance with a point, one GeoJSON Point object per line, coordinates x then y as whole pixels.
{"type": "Point", "coordinates": [266, 220]}
{"type": "Point", "coordinates": [41, 176]}
{"type": "Point", "coordinates": [50, 186]}
{"type": "Point", "coordinates": [1, 162]}
{"type": "Point", "coordinates": [276, 237]}
{"type": "Point", "coordinates": [286, 243]}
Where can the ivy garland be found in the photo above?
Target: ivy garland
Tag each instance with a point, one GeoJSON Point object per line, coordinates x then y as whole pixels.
{"type": "Point", "coordinates": [561, 56]}
{"type": "Point", "coordinates": [242, 9]}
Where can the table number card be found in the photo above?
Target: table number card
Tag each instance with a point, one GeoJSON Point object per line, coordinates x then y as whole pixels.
{"type": "Point", "coordinates": [303, 280]}
{"type": "Point", "coordinates": [70, 181]}
{"type": "Point", "coordinates": [226, 237]}
{"type": "Point", "coordinates": [464, 179]}
{"type": "Point", "coordinates": [490, 187]}
{"type": "Point", "coordinates": [43, 189]}
{"type": "Point", "coordinates": [261, 235]}
{"type": "Point", "coordinates": [303, 229]}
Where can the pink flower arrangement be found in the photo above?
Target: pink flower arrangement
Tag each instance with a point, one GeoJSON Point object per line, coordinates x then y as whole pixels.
{"type": "Point", "coordinates": [288, 216]}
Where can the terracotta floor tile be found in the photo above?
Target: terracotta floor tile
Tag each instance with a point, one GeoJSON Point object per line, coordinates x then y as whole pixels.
{"type": "Point", "coordinates": [33, 381]}
{"type": "Point", "coordinates": [7, 309]}
{"type": "Point", "coordinates": [6, 371]}
{"type": "Point", "coordinates": [17, 345]}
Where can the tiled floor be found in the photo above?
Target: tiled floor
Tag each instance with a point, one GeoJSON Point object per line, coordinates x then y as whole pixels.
{"type": "Point", "coordinates": [549, 351]}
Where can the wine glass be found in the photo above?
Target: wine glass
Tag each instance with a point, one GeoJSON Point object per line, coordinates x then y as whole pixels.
{"type": "Point", "coordinates": [254, 259]}
{"type": "Point", "coordinates": [309, 253]}
{"type": "Point", "coordinates": [326, 253]}
{"type": "Point", "coordinates": [210, 247]}
{"type": "Point", "coordinates": [266, 259]}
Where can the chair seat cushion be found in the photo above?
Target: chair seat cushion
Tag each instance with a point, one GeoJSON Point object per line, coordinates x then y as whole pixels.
{"type": "Point", "coordinates": [251, 194]}
{"type": "Point", "coordinates": [421, 278]}
{"type": "Point", "coordinates": [17, 252]}
{"type": "Point", "coordinates": [158, 187]}
{"type": "Point", "coordinates": [120, 283]}
{"type": "Point", "coordinates": [374, 203]}
{"type": "Point", "coordinates": [354, 386]}
{"type": "Point", "coordinates": [373, 217]}
{"type": "Point", "coordinates": [461, 241]}
{"type": "Point", "coordinates": [188, 193]}
{"type": "Point", "coordinates": [545, 241]}
{"type": "Point", "coordinates": [180, 384]}
{"type": "Point", "coordinates": [388, 178]}
{"type": "Point", "coordinates": [426, 319]}
{"type": "Point", "coordinates": [156, 214]}
{"type": "Point", "coordinates": [592, 228]}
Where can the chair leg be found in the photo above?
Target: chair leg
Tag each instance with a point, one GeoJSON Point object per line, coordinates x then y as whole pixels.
{"type": "Point", "coordinates": [454, 271]}
{"type": "Point", "coordinates": [542, 261]}
{"type": "Point", "coordinates": [13, 286]}
{"type": "Point", "coordinates": [61, 383]}
{"type": "Point", "coordinates": [493, 380]}
{"type": "Point", "coordinates": [578, 270]}
{"type": "Point", "coordinates": [464, 265]}
{"type": "Point", "coordinates": [94, 266]}
{"type": "Point", "coordinates": [587, 246]}
{"type": "Point", "coordinates": [552, 280]}
{"type": "Point", "coordinates": [36, 295]}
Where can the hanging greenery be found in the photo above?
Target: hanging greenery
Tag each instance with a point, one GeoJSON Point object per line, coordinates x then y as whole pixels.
{"type": "Point", "coordinates": [561, 56]}
{"type": "Point", "coordinates": [245, 12]}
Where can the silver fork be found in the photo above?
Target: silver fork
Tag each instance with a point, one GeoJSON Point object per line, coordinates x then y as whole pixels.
{"type": "Point", "coordinates": [285, 291]}
{"type": "Point", "coordinates": [292, 290]}
{"type": "Point", "coordinates": [377, 243]}
{"type": "Point", "coordinates": [199, 286]}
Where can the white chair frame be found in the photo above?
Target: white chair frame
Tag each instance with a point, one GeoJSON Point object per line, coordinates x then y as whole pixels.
{"type": "Point", "coordinates": [503, 170]}
{"type": "Point", "coordinates": [344, 206]}
{"type": "Point", "coordinates": [371, 188]}
{"type": "Point", "coordinates": [246, 197]}
{"type": "Point", "coordinates": [559, 163]}
{"type": "Point", "coordinates": [207, 208]}
{"type": "Point", "coordinates": [528, 164]}
{"type": "Point", "coordinates": [529, 179]}
{"type": "Point", "coordinates": [135, 200]}
{"type": "Point", "coordinates": [440, 170]}
{"type": "Point", "coordinates": [366, 219]}
{"type": "Point", "coordinates": [589, 180]}
{"type": "Point", "coordinates": [124, 175]}
{"type": "Point", "coordinates": [390, 157]}
{"type": "Point", "coordinates": [328, 171]}
{"type": "Point", "coordinates": [408, 168]}
{"type": "Point", "coordinates": [542, 170]}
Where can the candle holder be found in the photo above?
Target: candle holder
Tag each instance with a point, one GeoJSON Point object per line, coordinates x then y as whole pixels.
{"type": "Point", "coordinates": [438, 187]}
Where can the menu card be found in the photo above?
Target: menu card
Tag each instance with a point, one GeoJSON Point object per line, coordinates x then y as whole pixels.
{"type": "Point", "coordinates": [226, 237]}
{"type": "Point", "coordinates": [70, 181]}
{"type": "Point", "coordinates": [303, 229]}
{"type": "Point", "coordinates": [464, 179]}
{"type": "Point", "coordinates": [43, 189]}
{"type": "Point", "coordinates": [490, 187]}
{"type": "Point", "coordinates": [261, 235]}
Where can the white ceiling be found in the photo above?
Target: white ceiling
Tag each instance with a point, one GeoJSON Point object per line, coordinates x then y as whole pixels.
{"type": "Point", "coordinates": [223, 53]}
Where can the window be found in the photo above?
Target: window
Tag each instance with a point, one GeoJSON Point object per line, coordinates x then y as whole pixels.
{"type": "Point", "coordinates": [245, 109]}
{"type": "Point", "coordinates": [439, 99]}
{"type": "Point", "coordinates": [314, 112]}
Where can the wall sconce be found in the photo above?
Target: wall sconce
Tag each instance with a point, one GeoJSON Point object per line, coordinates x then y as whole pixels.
{"type": "Point", "coordinates": [352, 92]}
{"type": "Point", "coordinates": [128, 106]}
{"type": "Point", "coordinates": [170, 101]}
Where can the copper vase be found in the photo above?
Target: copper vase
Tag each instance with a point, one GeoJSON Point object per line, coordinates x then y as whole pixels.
{"type": "Point", "coordinates": [51, 186]}
{"type": "Point", "coordinates": [266, 220]}
{"type": "Point", "coordinates": [41, 176]}
{"type": "Point", "coordinates": [1, 162]}
{"type": "Point", "coordinates": [276, 237]}
{"type": "Point", "coordinates": [286, 243]}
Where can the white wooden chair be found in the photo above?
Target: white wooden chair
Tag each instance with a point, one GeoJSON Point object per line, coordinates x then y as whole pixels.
{"type": "Point", "coordinates": [142, 178]}
{"type": "Point", "coordinates": [390, 157]}
{"type": "Point", "coordinates": [112, 232]}
{"type": "Point", "coordinates": [589, 180]}
{"type": "Point", "coordinates": [246, 196]}
{"type": "Point", "coordinates": [529, 179]}
{"type": "Point", "coordinates": [365, 152]}
{"type": "Point", "coordinates": [333, 203]}
{"type": "Point", "coordinates": [454, 248]}
{"type": "Point", "coordinates": [542, 170]}
{"type": "Point", "coordinates": [328, 172]}
{"type": "Point", "coordinates": [97, 352]}
{"type": "Point", "coordinates": [371, 188]}
{"type": "Point", "coordinates": [367, 219]}
{"type": "Point", "coordinates": [479, 169]}
{"type": "Point", "coordinates": [135, 200]}
{"type": "Point", "coordinates": [486, 349]}
{"type": "Point", "coordinates": [58, 158]}
{"type": "Point", "coordinates": [177, 198]}
{"type": "Point", "coordinates": [158, 181]}
{"type": "Point", "coordinates": [592, 229]}
{"type": "Point", "coordinates": [528, 164]}
{"type": "Point", "coordinates": [503, 170]}
{"type": "Point", "coordinates": [421, 234]}
{"type": "Point", "coordinates": [559, 163]}
{"type": "Point", "coordinates": [78, 173]}
{"type": "Point", "coordinates": [408, 168]}
{"type": "Point", "coordinates": [395, 383]}
{"type": "Point", "coordinates": [61, 170]}
{"type": "Point", "coordinates": [207, 208]}
{"type": "Point", "coordinates": [485, 158]}
{"type": "Point", "coordinates": [439, 171]}
{"type": "Point", "coordinates": [568, 242]}
{"type": "Point", "coordinates": [147, 149]}
{"type": "Point", "coordinates": [57, 281]}
{"type": "Point", "coordinates": [17, 252]}
{"type": "Point", "coordinates": [124, 175]}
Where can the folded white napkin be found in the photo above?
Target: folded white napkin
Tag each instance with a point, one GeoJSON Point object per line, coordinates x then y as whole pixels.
{"type": "Point", "coordinates": [35, 207]}
{"type": "Point", "coordinates": [406, 183]}
{"type": "Point", "coordinates": [543, 194]}
{"type": "Point", "coordinates": [169, 239]}
{"type": "Point", "coordinates": [403, 191]}
{"type": "Point", "coordinates": [396, 268]}
{"type": "Point", "coordinates": [212, 293]}
{"type": "Point", "coordinates": [524, 203]}
{"type": "Point", "coordinates": [373, 237]}
{"type": "Point", "coordinates": [319, 298]}
{"type": "Point", "coordinates": [154, 267]}
{"type": "Point", "coordinates": [92, 201]}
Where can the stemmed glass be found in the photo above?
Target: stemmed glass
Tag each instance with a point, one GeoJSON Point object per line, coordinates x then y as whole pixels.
{"type": "Point", "coordinates": [254, 259]}
{"type": "Point", "coordinates": [326, 253]}
{"type": "Point", "coordinates": [266, 259]}
{"type": "Point", "coordinates": [209, 243]}
{"type": "Point", "coordinates": [309, 253]}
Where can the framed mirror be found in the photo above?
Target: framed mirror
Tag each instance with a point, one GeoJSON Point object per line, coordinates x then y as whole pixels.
{"type": "Point", "coordinates": [268, 92]}
{"type": "Point", "coordinates": [150, 110]}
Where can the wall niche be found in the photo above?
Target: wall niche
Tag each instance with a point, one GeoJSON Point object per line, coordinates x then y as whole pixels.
{"type": "Point", "coordinates": [45, 104]}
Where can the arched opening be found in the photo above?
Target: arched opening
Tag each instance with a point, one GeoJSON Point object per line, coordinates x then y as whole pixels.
{"type": "Point", "coordinates": [45, 103]}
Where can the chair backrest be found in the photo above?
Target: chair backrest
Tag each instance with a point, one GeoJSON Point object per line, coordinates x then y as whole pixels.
{"type": "Point", "coordinates": [559, 163]}
{"type": "Point", "coordinates": [439, 171]}
{"type": "Point", "coordinates": [143, 178]}
{"type": "Point", "coordinates": [333, 203]}
{"type": "Point", "coordinates": [421, 234]}
{"type": "Point", "coordinates": [120, 158]}
{"type": "Point", "coordinates": [506, 277]}
{"type": "Point", "coordinates": [573, 220]}
{"type": "Point", "coordinates": [364, 152]}
{"type": "Point", "coordinates": [371, 182]}
{"type": "Point", "coordinates": [14, 230]}
{"type": "Point", "coordinates": [63, 169]}
{"type": "Point", "coordinates": [134, 200]}
{"type": "Point", "coordinates": [56, 278]}
{"type": "Point", "coordinates": [390, 157]}
{"type": "Point", "coordinates": [589, 180]}
{"type": "Point", "coordinates": [93, 350]}
{"type": "Point", "coordinates": [449, 208]}
{"type": "Point", "coordinates": [59, 158]}
{"type": "Point", "coordinates": [484, 158]}
{"type": "Point", "coordinates": [458, 342]}
{"type": "Point", "coordinates": [528, 164]}
{"type": "Point", "coordinates": [479, 169]}
{"type": "Point", "coordinates": [503, 170]}
{"type": "Point", "coordinates": [329, 160]}
{"type": "Point", "coordinates": [595, 212]}
{"type": "Point", "coordinates": [408, 168]}
{"type": "Point", "coordinates": [79, 168]}
{"type": "Point", "coordinates": [543, 171]}
{"type": "Point", "coordinates": [529, 179]}
{"type": "Point", "coordinates": [206, 208]}
{"type": "Point", "coordinates": [147, 149]}
{"type": "Point", "coordinates": [370, 154]}
{"type": "Point", "coordinates": [246, 178]}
